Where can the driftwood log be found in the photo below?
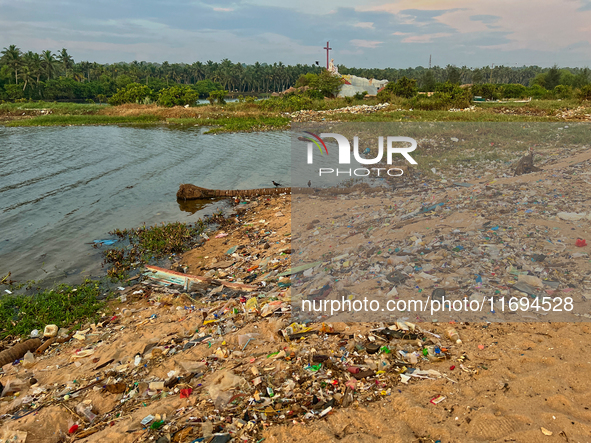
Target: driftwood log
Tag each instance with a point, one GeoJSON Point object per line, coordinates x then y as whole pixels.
{"type": "Point", "coordinates": [19, 351]}
{"type": "Point", "coordinates": [192, 192]}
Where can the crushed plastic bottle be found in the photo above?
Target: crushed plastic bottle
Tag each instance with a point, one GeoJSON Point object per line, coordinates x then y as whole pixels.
{"type": "Point", "coordinates": [452, 334]}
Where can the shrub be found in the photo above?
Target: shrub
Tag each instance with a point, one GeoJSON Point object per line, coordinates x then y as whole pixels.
{"type": "Point", "coordinates": [537, 91]}
{"type": "Point", "coordinates": [447, 96]}
{"type": "Point", "coordinates": [314, 94]}
{"type": "Point", "coordinates": [132, 93]}
{"type": "Point", "coordinates": [328, 84]}
{"type": "Point", "coordinates": [513, 90]}
{"type": "Point", "coordinates": [204, 87]}
{"type": "Point", "coordinates": [13, 92]}
{"type": "Point", "coordinates": [403, 87]}
{"type": "Point", "coordinates": [305, 79]}
{"type": "Point", "coordinates": [218, 96]}
{"type": "Point", "coordinates": [360, 95]}
{"type": "Point", "coordinates": [486, 90]}
{"type": "Point", "coordinates": [177, 96]}
{"type": "Point", "coordinates": [584, 93]}
{"type": "Point", "coordinates": [563, 91]}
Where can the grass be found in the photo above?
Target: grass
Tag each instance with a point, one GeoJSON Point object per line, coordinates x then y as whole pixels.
{"type": "Point", "coordinates": [62, 306]}
{"type": "Point", "coordinates": [73, 120]}
{"type": "Point", "coordinates": [261, 116]}
{"type": "Point", "coordinates": [148, 243]}
{"type": "Point", "coordinates": [478, 115]}
{"type": "Point", "coordinates": [235, 124]}
{"type": "Point", "coordinates": [534, 104]}
{"type": "Point", "coordinates": [33, 108]}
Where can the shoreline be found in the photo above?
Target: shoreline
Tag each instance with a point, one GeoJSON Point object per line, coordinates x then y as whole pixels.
{"type": "Point", "coordinates": [219, 357]}
{"type": "Point", "coordinates": [187, 341]}
{"type": "Point", "coordinates": [249, 117]}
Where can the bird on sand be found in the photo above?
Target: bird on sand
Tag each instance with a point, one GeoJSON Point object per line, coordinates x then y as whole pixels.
{"type": "Point", "coordinates": [309, 183]}
{"type": "Point", "coordinates": [276, 184]}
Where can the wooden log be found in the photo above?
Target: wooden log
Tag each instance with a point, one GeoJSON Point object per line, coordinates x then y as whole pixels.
{"type": "Point", "coordinates": [192, 192]}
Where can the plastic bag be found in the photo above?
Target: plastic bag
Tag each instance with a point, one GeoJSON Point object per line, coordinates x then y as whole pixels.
{"type": "Point", "coordinates": [220, 385]}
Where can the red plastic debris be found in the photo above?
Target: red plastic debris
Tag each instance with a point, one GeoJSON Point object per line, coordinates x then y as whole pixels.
{"type": "Point", "coordinates": [73, 429]}
{"type": "Point", "coordinates": [580, 242]}
{"type": "Point", "coordinates": [185, 393]}
{"type": "Point", "coordinates": [451, 368]}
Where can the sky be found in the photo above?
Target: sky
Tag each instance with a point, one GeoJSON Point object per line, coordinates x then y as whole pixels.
{"type": "Point", "coordinates": [372, 33]}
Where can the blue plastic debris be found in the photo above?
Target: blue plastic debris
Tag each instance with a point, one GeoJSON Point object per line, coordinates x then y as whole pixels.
{"type": "Point", "coordinates": [107, 242]}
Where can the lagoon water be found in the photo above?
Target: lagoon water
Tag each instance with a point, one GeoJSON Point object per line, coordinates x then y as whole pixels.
{"type": "Point", "coordinates": [63, 187]}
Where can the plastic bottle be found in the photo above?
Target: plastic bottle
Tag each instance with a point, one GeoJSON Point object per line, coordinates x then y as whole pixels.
{"type": "Point", "coordinates": [86, 411]}
{"type": "Point", "coordinates": [452, 334]}
{"type": "Point", "coordinates": [28, 359]}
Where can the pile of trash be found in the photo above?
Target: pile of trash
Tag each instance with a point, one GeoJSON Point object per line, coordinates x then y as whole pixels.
{"type": "Point", "coordinates": [213, 364]}
{"type": "Point", "coordinates": [580, 113]}
{"type": "Point", "coordinates": [217, 352]}
{"type": "Point", "coordinates": [306, 115]}
{"type": "Point", "coordinates": [482, 241]}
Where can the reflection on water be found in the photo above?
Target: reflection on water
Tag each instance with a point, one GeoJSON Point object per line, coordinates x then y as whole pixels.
{"type": "Point", "coordinates": [193, 206]}
{"type": "Point", "coordinates": [63, 187]}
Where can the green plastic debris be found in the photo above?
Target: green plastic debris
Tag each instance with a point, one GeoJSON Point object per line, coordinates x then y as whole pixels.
{"type": "Point", "coordinates": [157, 424]}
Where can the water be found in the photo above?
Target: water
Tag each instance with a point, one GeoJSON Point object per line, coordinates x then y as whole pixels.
{"type": "Point", "coordinates": [63, 187]}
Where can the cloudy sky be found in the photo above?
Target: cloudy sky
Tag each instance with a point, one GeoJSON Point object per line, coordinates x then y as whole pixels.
{"type": "Point", "coordinates": [372, 33]}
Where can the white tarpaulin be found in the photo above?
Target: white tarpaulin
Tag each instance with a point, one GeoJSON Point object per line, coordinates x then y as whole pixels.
{"type": "Point", "coordinates": [360, 84]}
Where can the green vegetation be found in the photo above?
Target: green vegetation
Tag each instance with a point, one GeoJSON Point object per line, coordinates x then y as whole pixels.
{"type": "Point", "coordinates": [585, 93]}
{"type": "Point", "coordinates": [65, 120]}
{"type": "Point", "coordinates": [235, 124]}
{"type": "Point", "coordinates": [62, 306]}
{"type": "Point", "coordinates": [404, 87]}
{"type": "Point", "coordinates": [320, 85]}
{"type": "Point", "coordinates": [150, 243]}
{"type": "Point", "coordinates": [132, 93]}
{"type": "Point", "coordinates": [56, 76]}
{"type": "Point", "coordinates": [444, 116]}
{"type": "Point", "coordinates": [218, 96]}
{"type": "Point", "coordinates": [33, 108]}
{"type": "Point", "coordinates": [177, 96]}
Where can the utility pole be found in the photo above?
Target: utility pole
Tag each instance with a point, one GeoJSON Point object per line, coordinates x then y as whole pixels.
{"type": "Point", "coordinates": [429, 61]}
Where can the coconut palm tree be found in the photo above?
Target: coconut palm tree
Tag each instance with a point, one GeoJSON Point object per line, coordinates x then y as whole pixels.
{"type": "Point", "coordinates": [32, 64]}
{"type": "Point", "coordinates": [48, 63]}
{"type": "Point", "coordinates": [11, 56]}
{"type": "Point", "coordinates": [66, 60]}
{"type": "Point", "coordinates": [27, 75]}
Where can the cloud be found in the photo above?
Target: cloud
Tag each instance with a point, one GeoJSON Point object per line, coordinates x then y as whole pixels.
{"type": "Point", "coordinates": [475, 33]}
{"type": "Point", "coordinates": [551, 24]}
{"type": "Point", "coordinates": [425, 38]}
{"type": "Point", "coordinates": [485, 18]}
{"type": "Point", "coordinates": [365, 43]}
{"type": "Point", "coordinates": [364, 25]}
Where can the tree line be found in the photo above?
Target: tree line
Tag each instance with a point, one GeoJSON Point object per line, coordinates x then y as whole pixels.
{"type": "Point", "coordinates": [57, 76]}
